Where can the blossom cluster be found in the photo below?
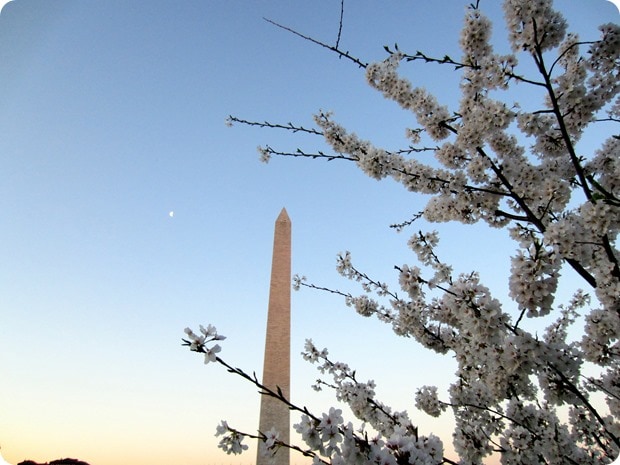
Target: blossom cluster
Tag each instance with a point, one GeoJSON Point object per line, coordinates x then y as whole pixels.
{"type": "Point", "coordinates": [398, 440]}
{"type": "Point", "coordinates": [489, 175]}
{"type": "Point", "coordinates": [533, 24]}
{"type": "Point", "coordinates": [197, 342]}
{"type": "Point", "coordinates": [232, 440]}
{"type": "Point", "coordinates": [520, 389]}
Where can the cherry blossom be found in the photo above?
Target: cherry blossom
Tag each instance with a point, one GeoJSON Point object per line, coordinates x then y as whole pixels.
{"type": "Point", "coordinates": [537, 378]}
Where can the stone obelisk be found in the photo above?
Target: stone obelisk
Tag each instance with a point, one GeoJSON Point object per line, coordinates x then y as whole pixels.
{"type": "Point", "coordinates": [276, 367]}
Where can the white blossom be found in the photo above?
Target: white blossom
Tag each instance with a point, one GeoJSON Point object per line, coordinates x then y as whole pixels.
{"type": "Point", "coordinates": [271, 439]}
{"type": "Point", "coordinates": [532, 22]}
{"type": "Point", "coordinates": [231, 442]}
{"type": "Point", "coordinates": [211, 353]}
{"type": "Point", "coordinates": [426, 399]}
{"type": "Point", "coordinates": [521, 389]}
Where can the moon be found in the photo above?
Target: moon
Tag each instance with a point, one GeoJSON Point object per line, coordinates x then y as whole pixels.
{"type": "Point", "coordinates": [171, 213]}
{"type": "Point", "coordinates": [3, 2]}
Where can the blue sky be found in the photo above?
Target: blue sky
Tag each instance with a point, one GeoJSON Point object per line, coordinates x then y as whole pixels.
{"type": "Point", "coordinates": [111, 116]}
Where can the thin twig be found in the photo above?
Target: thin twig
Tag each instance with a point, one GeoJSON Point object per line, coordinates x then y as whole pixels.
{"type": "Point", "coordinates": [340, 24]}
{"type": "Point", "coordinates": [340, 53]}
{"type": "Point", "coordinates": [447, 60]}
{"type": "Point", "coordinates": [400, 226]}
{"type": "Point", "coordinates": [266, 124]}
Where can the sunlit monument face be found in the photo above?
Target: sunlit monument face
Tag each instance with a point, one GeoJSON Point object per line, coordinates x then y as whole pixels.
{"type": "Point", "coordinates": [276, 369]}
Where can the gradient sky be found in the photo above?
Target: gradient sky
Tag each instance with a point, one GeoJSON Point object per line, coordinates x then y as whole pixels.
{"type": "Point", "coordinates": [111, 116]}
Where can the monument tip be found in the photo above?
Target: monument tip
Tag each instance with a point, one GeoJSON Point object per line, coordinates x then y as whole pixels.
{"type": "Point", "coordinates": [283, 216]}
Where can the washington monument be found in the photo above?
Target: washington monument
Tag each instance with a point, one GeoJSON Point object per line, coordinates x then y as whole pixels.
{"type": "Point", "coordinates": [277, 363]}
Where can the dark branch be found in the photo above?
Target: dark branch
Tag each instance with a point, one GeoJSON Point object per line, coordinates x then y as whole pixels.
{"type": "Point", "coordinates": [340, 53]}
{"type": "Point", "coordinates": [400, 226]}
{"type": "Point", "coordinates": [447, 60]}
{"type": "Point", "coordinates": [318, 154]}
{"type": "Point", "coordinates": [266, 124]}
{"type": "Point", "coordinates": [340, 23]}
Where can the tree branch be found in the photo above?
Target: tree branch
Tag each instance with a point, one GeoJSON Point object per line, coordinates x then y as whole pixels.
{"type": "Point", "coordinates": [340, 23]}
{"type": "Point", "coordinates": [336, 50]}
{"type": "Point", "coordinates": [266, 124]}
